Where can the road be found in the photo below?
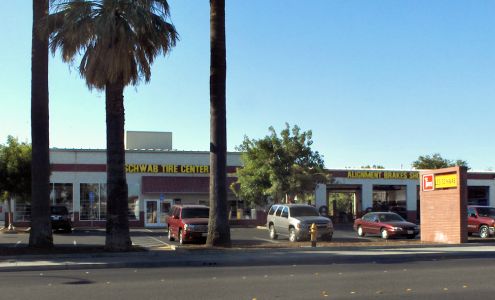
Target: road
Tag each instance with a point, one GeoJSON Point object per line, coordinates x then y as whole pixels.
{"type": "Point", "coordinates": [440, 279]}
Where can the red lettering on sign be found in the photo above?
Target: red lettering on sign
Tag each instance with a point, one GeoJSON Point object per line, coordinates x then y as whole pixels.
{"type": "Point", "coordinates": [428, 182]}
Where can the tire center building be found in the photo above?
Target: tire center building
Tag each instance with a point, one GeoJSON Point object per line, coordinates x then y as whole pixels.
{"type": "Point", "coordinates": [161, 177]}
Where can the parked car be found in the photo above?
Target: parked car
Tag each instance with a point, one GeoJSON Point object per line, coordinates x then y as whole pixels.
{"type": "Point", "coordinates": [60, 218]}
{"type": "Point", "coordinates": [385, 224]}
{"type": "Point", "coordinates": [294, 221]}
{"type": "Point", "coordinates": [188, 223]}
{"type": "Point", "coordinates": [481, 220]}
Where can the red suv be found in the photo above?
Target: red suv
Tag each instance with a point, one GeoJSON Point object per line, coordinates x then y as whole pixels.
{"type": "Point", "coordinates": [481, 220]}
{"type": "Point", "coordinates": [188, 223]}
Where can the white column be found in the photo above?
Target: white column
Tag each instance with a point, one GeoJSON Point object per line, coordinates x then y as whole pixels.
{"type": "Point", "coordinates": [76, 197]}
{"type": "Point", "coordinates": [412, 197]}
{"type": "Point", "coordinates": [320, 195]}
{"type": "Point", "coordinates": [366, 195]}
{"type": "Point", "coordinates": [491, 193]}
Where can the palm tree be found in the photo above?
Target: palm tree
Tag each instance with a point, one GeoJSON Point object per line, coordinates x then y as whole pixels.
{"type": "Point", "coordinates": [41, 229]}
{"type": "Point", "coordinates": [218, 226]}
{"type": "Point", "coordinates": [118, 41]}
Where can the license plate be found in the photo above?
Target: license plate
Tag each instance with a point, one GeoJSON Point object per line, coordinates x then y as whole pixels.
{"type": "Point", "coordinates": [204, 234]}
{"type": "Point", "coordinates": [410, 232]}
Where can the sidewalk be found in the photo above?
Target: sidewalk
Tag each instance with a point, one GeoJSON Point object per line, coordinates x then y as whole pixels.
{"type": "Point", "coordinates": [246, 257]}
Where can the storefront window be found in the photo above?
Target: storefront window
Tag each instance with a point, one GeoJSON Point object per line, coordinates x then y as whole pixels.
{"type": "Point", "coordinates": [93, 201]}
{"type": "Point", "coordinates": [390, 198]}
{"type": "Point", "coordinates": [22, 211]}
{"type": "Point", "coordinates": [61, 194]}
{"type": "Point", "coordinates": [133, 202]}
{"type": "Point", "coordinates": [478, 195]}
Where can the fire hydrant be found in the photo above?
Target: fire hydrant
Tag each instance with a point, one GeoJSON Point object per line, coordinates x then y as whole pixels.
{"type": "Point", "coordinates": [313, 230]}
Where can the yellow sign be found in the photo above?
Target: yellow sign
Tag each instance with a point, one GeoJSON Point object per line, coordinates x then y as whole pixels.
{"type": "Point", "coordinates": [445, 181]}
{"type": "Point", "coordinates": [382, 175]}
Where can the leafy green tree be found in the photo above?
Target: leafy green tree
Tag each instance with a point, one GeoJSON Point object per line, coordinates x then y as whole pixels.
{"type": "Point", "coordinates": [436, 161]}
{"type": "Point", "coordinates": [119, 41]}
{"type": "Point", "coordinates": [279, 167]}
{"type": "Point", "coordinates": [15, 171]}
{"type": "Point", "coordinates": [40, 235]}
{"type": "Point", "coordinates": [218, 226]}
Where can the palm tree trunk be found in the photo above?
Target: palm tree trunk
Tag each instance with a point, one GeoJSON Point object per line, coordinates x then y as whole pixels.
{"type": "Point", "coordinates": [41, 229]}
{"type": "Point", "coordinates": [218, 229]}
{"type": "Point", "coordinates": [117, 233]}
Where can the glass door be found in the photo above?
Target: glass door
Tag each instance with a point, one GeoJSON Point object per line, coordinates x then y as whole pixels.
{"type": "Point", "coordinates": [156, 212]}
{"type": "Point", "coordinates": [151, 213]}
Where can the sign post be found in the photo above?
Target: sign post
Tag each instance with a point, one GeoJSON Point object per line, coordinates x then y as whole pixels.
{"type": "Point", "coordinates": [91, 195]}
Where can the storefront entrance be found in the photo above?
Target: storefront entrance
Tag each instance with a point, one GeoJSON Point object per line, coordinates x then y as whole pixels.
{"type": "Point", "coordinates": [156, 212]}
{"type": "Point", "coordinates": [343, 203]}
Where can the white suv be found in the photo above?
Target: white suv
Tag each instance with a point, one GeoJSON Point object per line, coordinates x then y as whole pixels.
{"type": "Point", "coordinates": [294, 221]}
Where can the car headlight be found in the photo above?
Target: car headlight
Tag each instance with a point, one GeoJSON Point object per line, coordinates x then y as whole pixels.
{"type": "Point", "coordinates": [416, 227]}
{"type": "Point", "coordinates": [301, 225]}
{"type": "Point", "coordinates": [396, 228]}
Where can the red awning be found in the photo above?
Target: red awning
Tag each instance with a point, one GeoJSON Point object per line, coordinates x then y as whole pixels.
{"type": "Point", "coordinates": [178, 184]}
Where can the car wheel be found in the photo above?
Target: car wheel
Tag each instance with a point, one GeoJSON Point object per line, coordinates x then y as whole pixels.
{"type": "Point", "coordinates": [484, 232]}
{"type": "Point", "coordinates": [384, 233]}
{"type": "Point", "coordinates": [360, 231]}
{"type": "Point", "coordinates": [327, 238]}
{"type": "Point", "coordinates": [292, 235]}
{"type": "Point", "coordinates": [273, 233]}
{"type": "Point", "coordinates": [170, 237]}
{"type": "Point", "coordinates": [181, 239]}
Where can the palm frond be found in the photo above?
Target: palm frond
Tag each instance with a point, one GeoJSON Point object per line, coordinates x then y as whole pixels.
{"type": "Point", "coordinates": [117, 39]}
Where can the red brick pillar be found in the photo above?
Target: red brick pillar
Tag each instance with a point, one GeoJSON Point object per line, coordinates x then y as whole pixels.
{"type": "Point", "coordinates": [443, 206]}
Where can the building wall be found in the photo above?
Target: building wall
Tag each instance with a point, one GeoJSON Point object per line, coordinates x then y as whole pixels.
{"type": "Point", "coordinates": [88, 167]}
{"type": "Point", "coordinates": [367, 191]}
{"type": "Point", "coordinates": [341, 179]}
{"type": "Point", "coordinates": [484, 182]}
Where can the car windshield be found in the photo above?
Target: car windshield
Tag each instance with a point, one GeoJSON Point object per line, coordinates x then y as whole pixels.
{"type": "Point", "coordinates": [303, 211]}
{"type": "Point", "coordinates": [486, 212]}
{"type": "Point", "coordinates": [59, 210]}
{"type": "Point", "coordinates": [188, 213]}
{"type": "Point", "coordinates": [390, 218]}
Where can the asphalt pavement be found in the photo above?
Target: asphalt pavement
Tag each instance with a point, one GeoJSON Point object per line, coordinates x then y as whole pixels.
{"type": "Point", "coordinates": [441, 279]}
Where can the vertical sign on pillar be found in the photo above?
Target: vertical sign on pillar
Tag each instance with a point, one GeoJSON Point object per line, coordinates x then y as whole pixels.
{"type": "Point", "coordinates": [428, 182]}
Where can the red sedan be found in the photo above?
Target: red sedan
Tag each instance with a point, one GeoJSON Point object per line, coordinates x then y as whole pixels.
{"type": "Point", "coordinates": [385, 224]}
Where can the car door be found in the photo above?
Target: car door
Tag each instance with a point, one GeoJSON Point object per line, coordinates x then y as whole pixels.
{"type": "Point", "coordinates": [284, 220]}
{"type": "Point", "coordinates": [173, 221]}
{"type": "Point", "coordinates": [473, 221]}
{"type": "Point", "coordinates": [366, 223]}
{"type": "Point", "coordinates": [375, 224]}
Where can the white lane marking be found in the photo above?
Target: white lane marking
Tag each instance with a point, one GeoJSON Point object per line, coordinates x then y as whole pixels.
{"type": "Point", "coordinates": [148, 244]}
{"type": "Point", "coordinates": [266, 240]}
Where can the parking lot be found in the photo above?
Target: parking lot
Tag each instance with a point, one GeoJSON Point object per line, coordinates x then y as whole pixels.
{"type": "Point", "coordinates": [157, 238]}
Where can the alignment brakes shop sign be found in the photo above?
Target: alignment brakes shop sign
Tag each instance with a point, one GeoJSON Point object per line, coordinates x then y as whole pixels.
{"type": "Point", "coordinates": [427, 182]}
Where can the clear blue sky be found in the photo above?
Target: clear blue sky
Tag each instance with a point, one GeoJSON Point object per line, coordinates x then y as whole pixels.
{"type": "Point", "coordinates": [378, 82]}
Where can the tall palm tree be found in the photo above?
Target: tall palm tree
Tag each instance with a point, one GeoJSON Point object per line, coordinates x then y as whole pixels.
{"type": "Point", "coordinates": [41, 229]}
{"type": "Point", "coordinates": [118, 41]}
{"type": "Point", "coordinates": [218, 226]}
